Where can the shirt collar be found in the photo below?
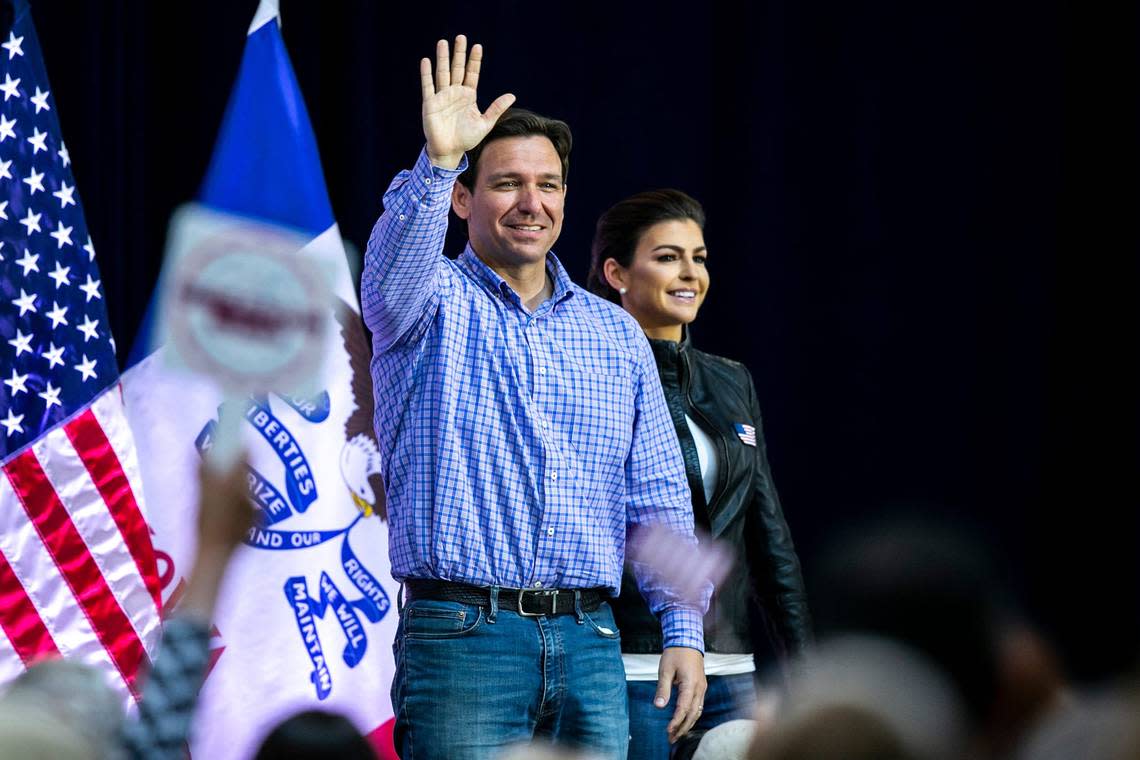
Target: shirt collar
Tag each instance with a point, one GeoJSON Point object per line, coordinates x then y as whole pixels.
{"type": "Point", "coordinates": [563, 285]}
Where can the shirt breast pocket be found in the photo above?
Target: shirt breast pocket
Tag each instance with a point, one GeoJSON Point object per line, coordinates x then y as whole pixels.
{"type": "Point", "coordinates": [601, 414]}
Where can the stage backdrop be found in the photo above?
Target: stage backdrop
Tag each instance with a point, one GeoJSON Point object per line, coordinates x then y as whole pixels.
{"type": "Point", "coordinates": [912, 241]}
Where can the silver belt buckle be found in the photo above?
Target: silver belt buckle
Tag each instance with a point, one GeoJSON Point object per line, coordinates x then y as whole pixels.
{"type": "Point", "coordinates": [551, 594]}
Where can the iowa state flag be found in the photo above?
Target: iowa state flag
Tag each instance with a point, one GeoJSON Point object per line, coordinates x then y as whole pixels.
{"type": "Point", "coordinates": [308, 613]}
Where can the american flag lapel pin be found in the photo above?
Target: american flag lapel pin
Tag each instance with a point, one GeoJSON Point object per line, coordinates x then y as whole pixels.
{"type": "Point", "coordinates": [746, 433]}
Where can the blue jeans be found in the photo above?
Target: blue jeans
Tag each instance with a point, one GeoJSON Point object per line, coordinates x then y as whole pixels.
{"type": "Point", "coordinates": [469, 683]}
{"type": "Point", "coordinates": [727, 698]}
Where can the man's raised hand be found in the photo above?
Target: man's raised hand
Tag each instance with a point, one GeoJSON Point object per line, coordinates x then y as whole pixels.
{"type": "Point", "coordinates": [452, 122]}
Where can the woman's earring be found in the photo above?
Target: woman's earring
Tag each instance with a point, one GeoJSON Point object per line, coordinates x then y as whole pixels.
{"type": "Point", "coordinates": [623, 291]}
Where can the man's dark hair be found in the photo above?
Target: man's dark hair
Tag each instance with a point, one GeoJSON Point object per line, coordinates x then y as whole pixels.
{"type": "Point", "coordinates": [620, 228]}
{"type": "Point", "coordinates": [518, 122]}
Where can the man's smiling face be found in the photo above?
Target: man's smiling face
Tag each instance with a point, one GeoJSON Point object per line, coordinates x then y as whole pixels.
{"type": "Point", "coordinates": [514, 211]}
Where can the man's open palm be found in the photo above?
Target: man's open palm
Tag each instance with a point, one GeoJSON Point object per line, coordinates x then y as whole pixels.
{"type": "Point", "coordinates": [452, 121]}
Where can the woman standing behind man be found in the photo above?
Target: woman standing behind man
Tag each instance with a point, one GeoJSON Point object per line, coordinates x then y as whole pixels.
{"type": "Point", "coordinates": [649, 256]}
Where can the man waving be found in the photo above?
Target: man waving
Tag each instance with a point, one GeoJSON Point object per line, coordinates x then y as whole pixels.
{"type": "Point", "coordinates": [523, 432]}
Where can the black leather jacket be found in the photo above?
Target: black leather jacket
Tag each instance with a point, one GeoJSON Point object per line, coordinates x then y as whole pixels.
{"type": "Point", "coordinates": [745, 511]}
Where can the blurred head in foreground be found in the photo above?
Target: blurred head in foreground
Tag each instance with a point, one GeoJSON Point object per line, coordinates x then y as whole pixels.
{"type": "Point", "coordinates": [315, 734]}
{"type": "Point", "coordinates": [728, 741]}
{"type": "Point", "coordinates": [932, 586]}
{"type": "Point", "coordinates": [832, 731]}
{"type": "Point", "coordinates": [923, 585]}
{"type": "Point", "coordinates": [71, 693]}
{"type": "Point", "coordinates": [864, 697]}
{"type": "Point", "coordinates": [31, 732]}
{"type": "Point", "coordinates": [538, 750]}
{"type": "Point", "coordinates": [1104, 727]}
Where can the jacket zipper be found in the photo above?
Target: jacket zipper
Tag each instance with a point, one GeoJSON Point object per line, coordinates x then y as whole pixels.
{"type": "Point", "coordinates": [722, 450]}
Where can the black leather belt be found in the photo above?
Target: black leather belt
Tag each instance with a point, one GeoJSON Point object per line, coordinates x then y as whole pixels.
{"type": "Point", "coordinates": [530, 602]}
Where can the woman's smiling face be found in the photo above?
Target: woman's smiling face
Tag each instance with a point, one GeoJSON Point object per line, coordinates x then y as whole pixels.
{"type": "Point", "coordinates": [667, 279]}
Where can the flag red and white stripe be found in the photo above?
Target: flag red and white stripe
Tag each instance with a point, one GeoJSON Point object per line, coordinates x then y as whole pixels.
{"type": "Point", "coordinates": [78, 576]}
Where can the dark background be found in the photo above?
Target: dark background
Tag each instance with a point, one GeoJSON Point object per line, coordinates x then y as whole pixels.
{"type": "Point", "coordinates": [921, 226]}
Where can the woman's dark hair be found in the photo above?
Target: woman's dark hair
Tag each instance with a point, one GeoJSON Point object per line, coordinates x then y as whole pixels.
{"type": "Point", "coordinates": [518, 122]}
{"type": "Point", "coordinates": [315, 734]}
{"type": "Point", "coordinates": [620, 228]}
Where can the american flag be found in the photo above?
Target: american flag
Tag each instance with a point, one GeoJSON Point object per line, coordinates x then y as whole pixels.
{"type": "Point", "coordinates": [746, 433]}
{"type": "Point", "coordinates": [78, 575]}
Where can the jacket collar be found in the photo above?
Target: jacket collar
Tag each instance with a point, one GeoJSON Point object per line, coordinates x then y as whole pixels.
{"type": "Point", "coordinates": [670, 357]}
{"type": "Point", "coordinates": [670, 352]}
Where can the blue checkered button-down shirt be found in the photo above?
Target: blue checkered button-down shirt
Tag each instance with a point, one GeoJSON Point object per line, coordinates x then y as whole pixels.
{"type": "Point", "coordinates": [517, 446]}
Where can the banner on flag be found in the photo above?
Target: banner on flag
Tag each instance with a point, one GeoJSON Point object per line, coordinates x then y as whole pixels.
{"type": "Point", "coordinates": [307, 616]}
{"type": "Point", "coordinates": [78, 575]}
